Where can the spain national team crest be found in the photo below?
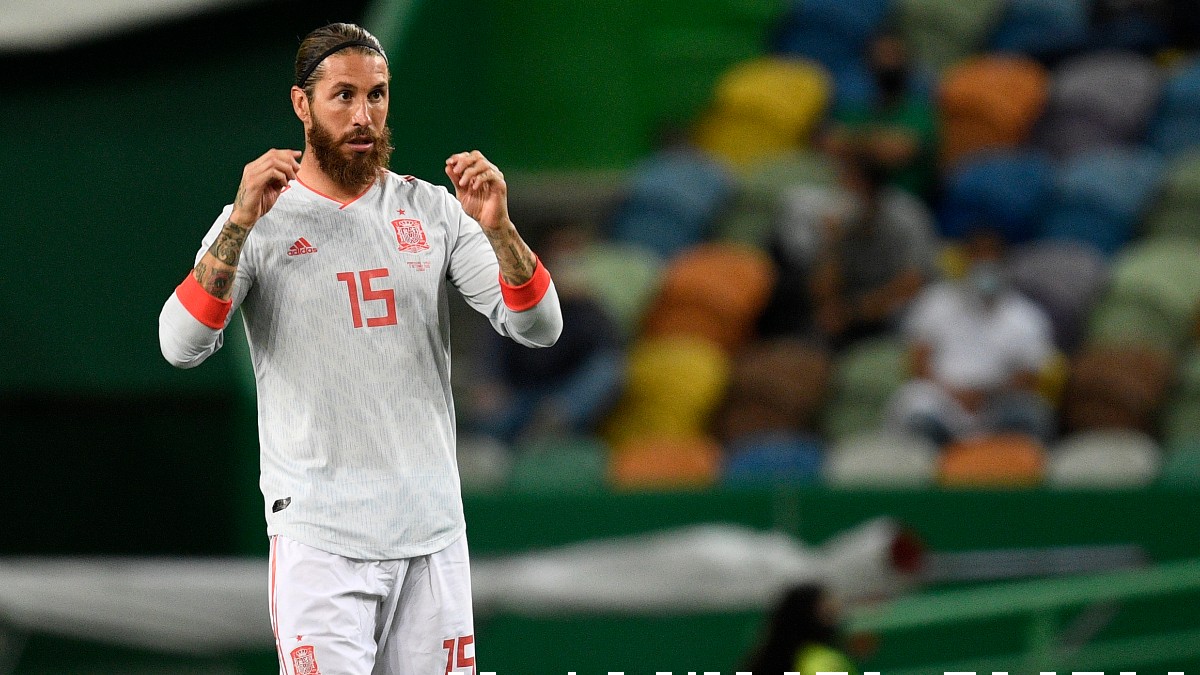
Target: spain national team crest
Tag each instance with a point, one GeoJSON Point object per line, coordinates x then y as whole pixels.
{"type": "Point", "coordinates": [304, 661]}
{"type": "Point", "coordinates": [410, 235]}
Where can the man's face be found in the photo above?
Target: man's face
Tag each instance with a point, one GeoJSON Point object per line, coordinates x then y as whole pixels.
{"type": "Point", "coordinates": [347, 128]}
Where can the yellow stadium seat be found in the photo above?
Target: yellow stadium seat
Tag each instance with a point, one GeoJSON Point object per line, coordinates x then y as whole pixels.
{"type": "Point", "coordinates": [764, 107]}
{"type": "Point", "coordinates": [674, 384]}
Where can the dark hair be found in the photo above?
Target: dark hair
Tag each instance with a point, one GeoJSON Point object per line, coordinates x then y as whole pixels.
{"type": "Point", "coordinates": [795, 621]}
{"type": "Point", "coordinates": [858, 161]}
{"type": "Point", "coordinates": [316, 46]}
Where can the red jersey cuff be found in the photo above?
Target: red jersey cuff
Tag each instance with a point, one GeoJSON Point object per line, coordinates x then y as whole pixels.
{"type": "Point", "coordinates": [528, 294]}
{"type": "Point", "coordinates": [206, 308]}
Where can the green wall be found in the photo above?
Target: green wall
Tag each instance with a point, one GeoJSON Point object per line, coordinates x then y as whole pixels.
{"type": "Point", "coordinates": [545, 85]}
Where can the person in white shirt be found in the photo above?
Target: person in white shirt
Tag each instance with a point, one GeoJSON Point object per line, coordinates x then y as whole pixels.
{"type": "Point", "coordinates": [977, 350]}
{"type": "Point", "coordinates": [341, 270]}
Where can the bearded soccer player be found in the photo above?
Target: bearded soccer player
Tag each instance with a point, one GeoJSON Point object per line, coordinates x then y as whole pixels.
{"type": "Point", "coordinates": [341, 269]}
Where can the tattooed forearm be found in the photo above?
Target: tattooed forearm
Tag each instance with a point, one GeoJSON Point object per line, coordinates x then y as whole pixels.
{"type": "Point", "coordinates": [216, 280]}
{"type": "Point", "coordinates": [522, 263]}
{"type": "Point", "coordinates": [516, 260]}
{"type": "Point", "coordinates": [218, 267]}
{"type": "Point", "coordinates": [228, 246]}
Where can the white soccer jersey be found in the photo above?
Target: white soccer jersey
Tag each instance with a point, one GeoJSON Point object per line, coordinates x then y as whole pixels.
{"type": "Point", "coordinates": [346, 312]}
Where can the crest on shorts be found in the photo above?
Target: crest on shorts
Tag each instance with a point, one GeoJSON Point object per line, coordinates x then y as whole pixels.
{"type": "Point", "coordinates": [304, 661]}
{"type": "Point", "coordinates": [410, 235]}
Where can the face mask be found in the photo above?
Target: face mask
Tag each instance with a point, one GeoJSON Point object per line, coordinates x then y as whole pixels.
{"type": "Point", "coordinates": [986, 279]}
{"type": "Point", "coordinates": [891, 81]}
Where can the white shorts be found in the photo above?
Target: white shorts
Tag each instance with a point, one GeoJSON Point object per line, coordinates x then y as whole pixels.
{"type": "Point", "coordinates": [342, 616]}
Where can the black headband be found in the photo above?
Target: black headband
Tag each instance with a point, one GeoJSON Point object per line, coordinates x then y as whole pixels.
{"type": "Point", "coordinates": [303, 79]}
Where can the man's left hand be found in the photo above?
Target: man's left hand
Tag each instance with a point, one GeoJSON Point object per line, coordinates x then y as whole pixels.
{"type": "Point", "coordinates": [481, 189]}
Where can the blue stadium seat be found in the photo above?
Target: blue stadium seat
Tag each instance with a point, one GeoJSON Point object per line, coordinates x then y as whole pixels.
{"type": "Point", "coordinates": [672, 202]}
{"type": "Point", "coordinates": [1043, 29]}
{"type": "Point", "coordinates": [773, 458]}
{"type": "Point", "coordinates": [1100, 196]}
{"type": "Point", "coordinates": [832, 32]}
{"type": "Point", "coordinates": [1005, 190]}
{"type": "Point", "coordinates": [1176, 127]}
{"type": "Point", "coordinates": [1132, 30]}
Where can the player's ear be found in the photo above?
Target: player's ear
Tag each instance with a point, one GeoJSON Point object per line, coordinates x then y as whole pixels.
{"type": "Point", "coordinates": [300, 105]}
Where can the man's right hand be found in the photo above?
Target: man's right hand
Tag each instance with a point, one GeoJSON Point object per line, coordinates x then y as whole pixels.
{"type": "Point", "coordinates": [263, 180]}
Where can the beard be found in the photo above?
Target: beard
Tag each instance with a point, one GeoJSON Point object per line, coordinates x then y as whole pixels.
{"type": "Point", "coordinates": [358, 169]}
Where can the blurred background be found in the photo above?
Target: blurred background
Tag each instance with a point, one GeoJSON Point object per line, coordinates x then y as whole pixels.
{"type": "Point", "coordinates": [897, 298]}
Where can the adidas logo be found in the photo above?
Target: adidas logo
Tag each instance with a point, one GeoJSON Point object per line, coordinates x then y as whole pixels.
{"type": "Point", "coordinates": [301, 247]}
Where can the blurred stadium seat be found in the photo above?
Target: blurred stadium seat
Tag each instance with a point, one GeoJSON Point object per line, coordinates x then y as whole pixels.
{"type": "Point", "coordinates": [989, 103]}
{"type": "Point", "coordinates": [764, 107]}
{"type": "Point", "coordinates": [881, 459]}
{"type": "Point", "coordinates": [665, 463]}
{"type": "Point", "coordinates": [1104, 459]}
{"type": "Point", "coordinates": [1002, 460]}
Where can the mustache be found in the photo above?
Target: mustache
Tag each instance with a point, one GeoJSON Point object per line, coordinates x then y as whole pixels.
{"type": "Point", "coordinates": [360, 136]}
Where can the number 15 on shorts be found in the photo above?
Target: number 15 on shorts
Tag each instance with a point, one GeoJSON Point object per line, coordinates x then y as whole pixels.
{"type": "Point", "coordinates": [457, 660]}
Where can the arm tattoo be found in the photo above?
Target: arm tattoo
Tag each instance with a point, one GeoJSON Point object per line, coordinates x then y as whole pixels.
{"type": "Point", "coordinates": [218, 282]}
{"type": "Point", "coordinates": [217, 269]}
{"type": "Point", "coordinates": [515, 258]}
{"type": "Point", "coordinates": [228, 246]}
{"type": "Point", "coordinates": [521, 267]}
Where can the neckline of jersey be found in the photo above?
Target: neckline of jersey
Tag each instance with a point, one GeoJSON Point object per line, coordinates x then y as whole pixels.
{"type": "Point", "coordinates": [341, 204]}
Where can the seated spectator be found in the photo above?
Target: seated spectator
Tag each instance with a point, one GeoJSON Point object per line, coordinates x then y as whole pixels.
{"type": "Point", "coordinates": [977, 349]}
{"type": "Point", "coordinates": [563, 390]}
{"type": "Point", "coordinates": [897, 129]}
{"type": "Point", "coordinates": [850, 259]}
{"type": "Point", "coordinates": [801, 636]}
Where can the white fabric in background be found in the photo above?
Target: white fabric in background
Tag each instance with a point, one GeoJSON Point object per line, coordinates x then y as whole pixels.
{"type": "Point", "coordinates": [44, 25]}
{"type": "Point", "coordinates": [210, 606]}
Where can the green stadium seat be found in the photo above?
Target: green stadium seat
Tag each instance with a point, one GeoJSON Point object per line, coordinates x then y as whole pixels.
{"type": "Point", "coordinates": [1182, 465]}
{"type": "Point", "coordinates": [762, 185]}
{"type": "Point", "coordinates": [1161, 276]}
{"type": "Point", "coordinates": [1119, 320]}
{"type": "Point", "coordinates": [560, 466]}
{"type": "Point", "coordinates": [624, 278]}
{"type": "Point", "coordinates": [844, 418]}
{"type": "Point", "coordinates": [1180, 420]}
{"type": "Point", "coordinates": [865, 377]}
{"type": "Point", "coordinates": [941, 33]}
{"type": "Point", "coordinates": [1175, 211]}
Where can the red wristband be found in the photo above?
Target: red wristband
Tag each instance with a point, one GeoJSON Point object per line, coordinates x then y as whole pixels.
{"type": "Point", "coordinates": [528, 294]}
{"type": "Point", "coordinates": [208, 309]}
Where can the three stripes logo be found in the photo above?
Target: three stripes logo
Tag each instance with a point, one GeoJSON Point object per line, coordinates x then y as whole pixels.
{"type": "Point", "coordinates": [301, 247]}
